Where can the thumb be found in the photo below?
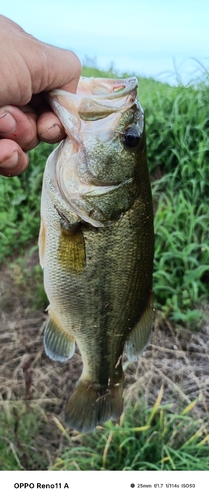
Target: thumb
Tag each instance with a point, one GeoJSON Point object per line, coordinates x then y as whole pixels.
{"type": "Point", "coordinates": [56, 68]}
{"type": "Point", "coordinates": [62, 69]}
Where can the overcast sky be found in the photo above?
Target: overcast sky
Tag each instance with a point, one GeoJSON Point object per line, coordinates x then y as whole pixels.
{"type": "Point", "coordinates": [141, 37]}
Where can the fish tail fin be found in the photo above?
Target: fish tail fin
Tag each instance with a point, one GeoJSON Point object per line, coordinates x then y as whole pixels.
{"type": "Point", "coordinates": [91, 404]}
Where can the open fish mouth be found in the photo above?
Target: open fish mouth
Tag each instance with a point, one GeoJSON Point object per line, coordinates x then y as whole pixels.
{"type": "Point", "coordinates": [100, 96]}
{"type": "Point", "coordinates": [104, 86]}
{"type": "Point", "coordinates": [96, 99]}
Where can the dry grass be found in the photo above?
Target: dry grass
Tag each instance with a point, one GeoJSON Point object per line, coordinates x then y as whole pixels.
{"type": "Point", "coordinates": [178, 359]}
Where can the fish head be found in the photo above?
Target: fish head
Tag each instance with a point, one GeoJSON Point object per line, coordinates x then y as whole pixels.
{"type": "Point", "coordinates": [100, 164]}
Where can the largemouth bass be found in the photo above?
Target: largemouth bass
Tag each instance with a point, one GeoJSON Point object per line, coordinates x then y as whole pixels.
{"type": "Point", "coordinates": [96, 242]}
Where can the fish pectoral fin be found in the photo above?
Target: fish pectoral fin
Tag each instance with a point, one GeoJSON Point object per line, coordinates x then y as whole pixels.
{"type": "Point", "coordinates": [91, 404]}
{"type": "Point", "coordinates": [141, 333]}
{"type": "Point", "coordinates": [71, 252]}
{"type": "Point", "coordinates": [58, 344]}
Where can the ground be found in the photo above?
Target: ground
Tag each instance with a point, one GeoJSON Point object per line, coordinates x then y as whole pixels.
{"type": "Point", "coordinates": [176, 358]}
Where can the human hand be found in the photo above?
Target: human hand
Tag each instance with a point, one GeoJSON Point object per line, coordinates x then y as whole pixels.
{"type": "Point", "coordinates": [28, 69]}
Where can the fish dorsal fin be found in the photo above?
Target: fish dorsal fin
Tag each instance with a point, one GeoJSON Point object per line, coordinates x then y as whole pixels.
{"type": "Point", "coordinates": [59, 345]}
{"type": "Point", "coordinates": [140, 334]}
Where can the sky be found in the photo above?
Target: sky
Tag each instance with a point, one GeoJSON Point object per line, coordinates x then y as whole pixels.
{"type": "Point", "coordinates": [151, 38]}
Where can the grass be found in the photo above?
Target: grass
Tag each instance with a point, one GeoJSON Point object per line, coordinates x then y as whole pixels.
{"type": "Point", "coordinates": [19, 447]}
{"type": "Point", "coordinates": [181, 257]}
{"type": "Point", "coordinates": [178, 150]}
{"type": "Point", "coordinates": [20, 205]}
{"type": "Point", "coordinates": [145, 439]}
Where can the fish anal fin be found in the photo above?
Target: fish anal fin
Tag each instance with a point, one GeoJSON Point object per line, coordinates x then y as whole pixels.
{"type": "Point", "coordinates": [91, 404]}
{"type": "Point", "coordinates": [58, 344]}
{"type": "Point", "coordinates": [140, 335]}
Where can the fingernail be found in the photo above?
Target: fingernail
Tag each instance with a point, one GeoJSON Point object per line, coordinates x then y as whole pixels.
{"type": "Point", "coordinates": [11, 162]}
{"type": "Point", "coordinates": [7, 124]}
{"type": "Point", "coordinates": [52, 133]}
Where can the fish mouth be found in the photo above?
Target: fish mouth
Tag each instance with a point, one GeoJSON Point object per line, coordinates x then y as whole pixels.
{"type": "Point", "coordinates": [96, 99]}
{"type": "Point", "coordinates": [90, 115]}
{"type": "Point", "coordinates": [104, 86]}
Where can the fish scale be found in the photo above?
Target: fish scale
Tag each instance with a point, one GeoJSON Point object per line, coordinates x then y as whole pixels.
{"type": "Point", "coordinates": [96, 245]}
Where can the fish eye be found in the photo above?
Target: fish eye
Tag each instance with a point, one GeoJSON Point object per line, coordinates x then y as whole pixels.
{"type": "Point", "coordinates": [131, 137]}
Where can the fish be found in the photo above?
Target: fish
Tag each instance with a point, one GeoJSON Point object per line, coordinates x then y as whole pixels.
{"type": "Point", "coordinates": [96, 243]}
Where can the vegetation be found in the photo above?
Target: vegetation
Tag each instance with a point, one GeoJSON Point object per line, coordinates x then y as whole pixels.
{"type": "Point", "coordinates": [178, 151]}
{"type": "Point", "coordinates": [19, 448]}
{"type": "Point", "coordinates": [147, 438]}
{"type": "Point", "coordinates": [20, 205]}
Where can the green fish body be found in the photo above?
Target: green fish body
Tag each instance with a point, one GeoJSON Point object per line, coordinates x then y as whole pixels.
{"type": "Point", "coordinates": [96, 243]}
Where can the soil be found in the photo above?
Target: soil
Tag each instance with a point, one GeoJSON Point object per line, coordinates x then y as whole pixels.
{"type": "Point", "coordinates": [176, 358]}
